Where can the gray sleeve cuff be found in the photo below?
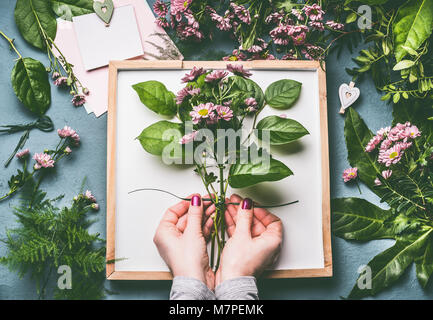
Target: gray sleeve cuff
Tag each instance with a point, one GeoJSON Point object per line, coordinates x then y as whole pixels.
{"type": "Point", "coordinates": [241, 288]}
{"type": "Point", "coordinates": [185, 288]}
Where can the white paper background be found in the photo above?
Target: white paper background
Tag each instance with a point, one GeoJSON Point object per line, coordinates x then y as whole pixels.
{"type": "Point", "coordinates": [138, 215]}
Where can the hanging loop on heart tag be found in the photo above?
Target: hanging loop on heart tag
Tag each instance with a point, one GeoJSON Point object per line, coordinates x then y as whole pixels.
{"type": "Point", "coordinates": [104, 10]}
{"type": "Point", "coordinates": [348, 95]}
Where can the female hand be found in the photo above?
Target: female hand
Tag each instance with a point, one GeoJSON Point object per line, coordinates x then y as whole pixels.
{"type": "Point", "coordinates": [254, 243]}
{"type": "Point", "coordinates": [180, 239]}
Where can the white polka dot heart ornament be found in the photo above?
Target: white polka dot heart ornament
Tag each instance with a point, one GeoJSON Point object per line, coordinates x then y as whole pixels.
{"type": "Point", "coordinates": [348, 95]}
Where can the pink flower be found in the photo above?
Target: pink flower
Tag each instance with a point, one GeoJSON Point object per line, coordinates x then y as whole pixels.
{"type": "Point", "coordinates": [299, 39]}
{"type": "Point", "coordinates": [224, 113]}
{"type": "Point", "coordinates": [377, 182]}
{"type": "Point", "coordinates": [314, 12]}
{"type": "Point", "coordinates": [178, 6]}
{"type": "Point", "coordinates": [387, 174]}
{"type": "Point", "coordinates": [193, 74]}
{"type": "Point", "coordinates": [43, 160]}
{"type": "Point", "coordinates": [60, 81]}
{"type": "Point", "coordinates": [95, 206]}
{"type": "Point", "coordinates": [317, 25]}
{"type": "Point", "coordinates": [283, 115]}
{"type": "Point", "coordinates": [191, 20]}
{"type": "Point", "coordinates": [160, 8]}
{"type": "Point", "coordinates": [67, 150]}
{"type": "Point", "coordinates": [65, 132]}
{"type": "Point", "coordinates": [275, 17]}
{"type": "Point", "coordinates": [216, 75]}
{"type": "Point", "coordinates": [22, 153]}
{"type": "Point", "coordinates": [222, 23]}
{"type": "Point", "coordinates": [411, 132]}
{"type": "Point", "coordinates": [391, 156]}
{"type": "Point", "coordinates": [236, 55]}
{"type": "Point", "coordinates": [297, 14]}
{"type": "Point", "coordinates": [335, 25]}
{"type": "Point", "coordinates": [241, 12]}
{"type": "Point", "coordinates": [202, 111]}
{"type": "Point", "coordinates": [78, 100]}
{"type": "Point", "coordinates": [88, 195]}
{"type": "Point", "coordinates": [350, 174]}
{"type": "Point", "coordinates": [251, 104]}
{"type": "Point", "coordinates": [188, 137]}
{"type": "Point", "coordinates": [186, 92]}
{"type": "Point", "coordinates": [280, 35]}
{"type": "Point", "coordinates": [162, 22]}
{"type": "Point", "coordinates": [239, 70]}
{"type": "Point", "coordinates": [55, 75]}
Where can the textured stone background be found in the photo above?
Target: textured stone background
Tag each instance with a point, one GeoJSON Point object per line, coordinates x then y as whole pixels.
{"type": "Point", "coordinates": [90, 161]}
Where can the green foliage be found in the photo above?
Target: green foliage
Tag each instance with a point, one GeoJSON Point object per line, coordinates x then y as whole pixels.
{"type": "Point", "coordinates": [31, 16]}
{"type": "Point", "coordinates": [281, 130]}
{"type": "Point", "coordinates": [156, 97]}
{"type": "Point", "coordinates": [31, 85]}
{"type": "Point", "coordinates": [408, 193]}
{"type": "Point", "coordinates": [66, 9]}
{"type": "Point", "coordinates": [246, 175]}
{"type": "Point", "coordinates": [249, 88]}
{"type": "Point", "coordinates": [159, 135]}
{"type": "Point", "coordinates": [283, 94]}
{"type": "Point", "coordinates": [48, 237]}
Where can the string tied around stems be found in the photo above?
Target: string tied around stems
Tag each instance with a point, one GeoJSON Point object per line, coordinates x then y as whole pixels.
{"type": "Point", "coordinates": [44, 124]}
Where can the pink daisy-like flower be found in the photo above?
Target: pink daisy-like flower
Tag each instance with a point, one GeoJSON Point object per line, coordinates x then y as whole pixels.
{"type": "Point", "coordinates": [222, 23]}
{"type": "Point", "coordinates": [391, 156]}
{"type": "Point", "coordinates": [299, 39]}
{"type": "Point", "coordinates": [238, 69]}
{"type": "Point", "coordinates": [350, 174]}
{"type": "Point", "coordinates": [274, 17]}
{"type": "Point", "coordinates": [297, 14]}
{"type": "Point", "coordinates": [251, 104]}
{"type": "Point", "coordinates": [88, 195]}
{"type": "Point", "coordinates": [186, 92]}
{"type": "Point", "coordinates": [188, 137]}
{"type": "Point", "coordinates": [60, 81]}
{"type": "Point", "coordinates": [191, 20]}
{"type": "Point", "coordinates": [377, 182]}
{"type": "Point", "coordinates": [411, 132]}
{"type": "Point", "coordinates": [224, 113]}
{"type": "Point", "coordinates": [22, 153]}
{"type": "Point", "coordinates": [202, 111]}
{"type": "Point", "coordinates": [280, 35]}
{"type": "Point", "coordinates": [216, 75]}
{"type": "Point", "coordinates": [387, 174]}
{"type": "Point", "coordinates": [193, 74]}
{"type": "Point", "coordinates": [78, 100]}
{"type": "Point", "coordinates": [160, 8]}
{"type": "Point", "coordinates": [178, 6]}
{"type": "Point", "coordinates": [162, 22]}
{"type": "Point", "coordinates": [66, 132]}
{"type": "Point", "coordinates": [335, 25]}
{"type": "Point", "coordinates": [236, 55]}
{"type": "Point", "coordinates": [241, 12]}
{"type": "Point", "coordinates": [317, 25]}
{"type": "Point", "coordinates": [43, 160]}
{"type": "Point", "coordinates": [67, 150]}
{"type": "Point", "coordinates": [314, 12]}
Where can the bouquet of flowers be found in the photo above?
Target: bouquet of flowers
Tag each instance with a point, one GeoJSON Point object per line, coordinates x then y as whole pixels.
{"type": "Point", "coordinates": [262, 28]}
{"type": "Point", "coordinates": [211, 132]}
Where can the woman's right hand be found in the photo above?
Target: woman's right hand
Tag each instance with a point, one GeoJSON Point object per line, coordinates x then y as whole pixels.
{"type": "Point", "coordinates": [255, 237]}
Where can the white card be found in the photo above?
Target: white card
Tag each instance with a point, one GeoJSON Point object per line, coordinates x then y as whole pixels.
{"type": "Point", "coordinates": [100, 44]}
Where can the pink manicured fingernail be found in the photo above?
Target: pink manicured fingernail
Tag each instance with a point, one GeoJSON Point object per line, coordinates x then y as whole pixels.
{"type": "Point", "coordinates": [196, 201]}
{"type": "Point", "coordinates": [247, 204]}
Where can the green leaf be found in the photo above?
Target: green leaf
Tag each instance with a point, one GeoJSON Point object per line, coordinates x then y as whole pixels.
{"type": "Point", "coordinates": [249, 87]}
{"type": "Point", "coordinates": [281, 130]}
{"type": "Point", "coordinates": [351, 17]}
{"type": "Point", "coordinates": [413, 25]}
{"type": "Point", "coordinates": [156, 97]}
{"type": "Point", "coordinates": [283, 94]}
{"type": "Point", "coordinates": [358, 219]}
{"type": "Point", "coordinates": [31, 85]}
{"type": "Point", "coordinates": [403, 64]}
{"type": "Point", "coordinates": [357, 137]}
{"type": "Point", "coordinates": [424, 263]}
{"type": "Point", "coordinates": [66, 9]}
{"type": "Point", "coordinates": [28, 15]}
{"type": "Point", "coordinates": [153, 138]}
{"type": "Point", "coordinates": [245, 175]}
{"type": "Point", "coordinates": [388, 266]}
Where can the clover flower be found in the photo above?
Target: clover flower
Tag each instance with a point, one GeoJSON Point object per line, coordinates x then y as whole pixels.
{"type": "Point", "coordinates": [350, 174]}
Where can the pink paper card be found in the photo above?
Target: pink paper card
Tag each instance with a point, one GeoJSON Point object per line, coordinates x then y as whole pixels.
{"type": "Point", "coordinates": [155, 42]}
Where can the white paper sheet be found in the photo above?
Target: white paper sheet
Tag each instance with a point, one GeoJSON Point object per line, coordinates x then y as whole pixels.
{"type": "Point", "coordinates": [138, 215]}
{"type": "Point", "coordinates": [99, 44]}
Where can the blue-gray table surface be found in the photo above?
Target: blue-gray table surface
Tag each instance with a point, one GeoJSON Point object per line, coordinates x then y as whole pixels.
{"type": "Point", "coordinates": [90, 161]}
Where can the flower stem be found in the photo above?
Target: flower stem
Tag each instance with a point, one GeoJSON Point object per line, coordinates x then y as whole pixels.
{"type": "Point", "coordinates": [11, 43]}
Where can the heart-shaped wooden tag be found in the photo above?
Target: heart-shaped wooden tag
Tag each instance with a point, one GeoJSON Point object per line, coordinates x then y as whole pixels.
{"type": "Point", "coordinates": [104, 10]}
{"type": "Point", "coordinates": [348, 95]}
